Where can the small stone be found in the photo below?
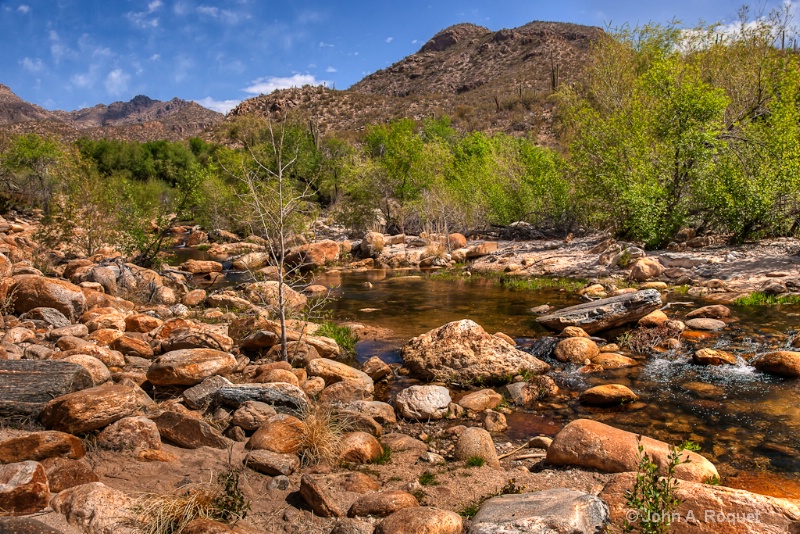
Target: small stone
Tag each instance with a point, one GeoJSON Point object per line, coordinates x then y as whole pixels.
{"type": "Point", "coordinates": [494, 421]}
{"type": "Point", "coordinates": [608, 395]}
{"type": "Point", "coordinates": [474, 441]}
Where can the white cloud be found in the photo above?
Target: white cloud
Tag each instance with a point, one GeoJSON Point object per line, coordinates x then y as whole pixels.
{"type": "Point", "coordinates": [268, 84]}
{"type": "Point", "coordinates": [323, 44]}
{"type": "Point", "coordinates": [208, 10]}
{"type": "Point", "coordinates": [23, 8]}
{"type": "Point", "coordinates": [142, 19]}
{"type": "Point", "coordinates": [225, 15]}
{"type": "Point", "coordinates": [181, 8]}
{"type": "Point", "coordinates": [330, 69]}
{"type": "Point", "coordinates": [221, 106]}
{"type": "Point", "coordinates": [117, 82]}
{"type": "Point", "coordinates": [83, 81]}
{"type": "Point", "coordinates": [31, 65]}
{"type": "Point", "coordinates": [309, 16]}
{"type": "Point", "coordinates": [389, 39]}
{"type": "Point", "coordinates": [183, 64]}
{"type": "Point", "coordinates": [57, 48]}
{"type": "Point", "coordinates": [155, 57]}
{"type": "Point", "coordinates": [414, 41]}
{"type": "Point", "coordinates": [155, 4]}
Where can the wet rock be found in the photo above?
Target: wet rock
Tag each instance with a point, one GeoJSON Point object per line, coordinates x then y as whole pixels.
{"type": "Point", "coordinates": [421, 519]}
{"type": "Point", "coordinates": [89, 409]}
{"type": "Point", "coordinates": [474, 441]}
{"type": "Point", "coordinates": [189, 366]}
{"type": "Point", "coordinates": [423, 402]}
{"type": "Point", "coordinates": [280, 433]}
{"type": "Point", "coordinates": [608, 395]}
{"type": "Point", "coordinates": [272, 463]}
{"type": "Point", "coordinates": [478, 401]}
{"type": "Point", "coordinates": [31, 291]}
{"type": "Point", "coordinates": [554, 511]}
{"type": "Point", "coordinates": [576, 350]}
{"type": "Point", "coordinates": [38, 446]}
{"type": "Point", "coordinates": [382, 504]}
{"type": "Point", "coordinates": [782, 363]}
{"type": "Point", "coordinates": [189, 432]}
{"type": "Point", "coordinates": [462, 351]}
{"type": "Point", "coordinates": [376, 368]}
{"type": "Point", "coordinates": [64, 473]}
{"type": "Point", "coordinates": [360, 448]}
{"type": "Point", "coordinates": [717, 311]}
{"type": "Point", "coordinates": [713, 357]}
{"type": "Point", "coordinates": [201, 266]}
{"type": "Point", "coordinates": [594, 445]}
{"type": "Point", "coordinates": [250, 415]}
{"type": "Point", "coordinates": [653, 319]}
{"type": "Point", "coordinates": [130, 434]}
{"type": "Point", "coordinates": [611, 360]}
{"type": "Point", "coordinates": [705, 324]}
{"type": "Point", "coordinates": [707, 509]}
{"type": "Point", "coordinates": [23, 488]}
{"type": "Point", "coordinates": [95, 508]}
{"type": "Point", "coordinates": [605, 313]}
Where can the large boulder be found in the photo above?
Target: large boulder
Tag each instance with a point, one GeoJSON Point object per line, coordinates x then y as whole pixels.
{"type": "Point", "coordinates": [646, 268]}
{"type": "Point", "coordinates": [89, 409]}
{"type": "Point", "coordinates": [463, 352]}
{"type": "Point", "coordinates": [333, 495]}
{"type": "Point", "coordinates": [608, 395]}
{"type": "Point", "coordinates": [591, 444]}
{"type": "Point", "coordinates": [554, 511]}
{"type": "Point", "coordinates": [332, 371]}
{"type": "Point", "coordinates": [782, 363]}
{"type": "Point", "coordinates": [38, 446]}
{"type": "Point", "coordinates": [313, 255]}
{"type": "Point", "coordinates": [30, 291]}
{"type": "Point", "coordinates": [281, 396]}
{"type": "Point", "coordinates": [187, 367]}
{"type": "Point", "coordinates": [372, 245]}
{"type": "Point", "coordinates": [576, 350]}
{"type": "Point", "coordinates": [423, 402]}
{"type": "Point", "coordinates": [604, 313]}
{"type": "Point", "coordinates": [189, 432]}
{"type": "Point", "coordinates": [267, 295]}
{"type": "Point", "coordinates": [708, 509]}
{"type": "Point", "coordinates": [281, 433]}
{"type": "Point", "coordinates": [27, 385]}
{"type": "Point", "coordinates": [96, 509]}
{"type": "Point", "coordinates": [421, 520]}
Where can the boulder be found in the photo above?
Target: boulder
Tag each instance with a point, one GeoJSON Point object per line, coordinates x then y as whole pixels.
{"type": "Point", "coordinates": [89, 409]}
{"type": "Point", "coordinates": [708, 509]}
{"type": "Point", "coordinates": [717, 311]}
{"type": "Point", "coordinates": [97, 369]}
{"type": "Point", "coordinates": [130, 434]}
{"type": "Point", "coordinates": [313, 255]}
{"type": "Point", "coordinates": [462, 351]}
{"type": "Point", "coordinates": [376, 368]}
{"type": "Point", "coordinates": [494, 421]}
{"type": "Point", "coordinates": [189, 432]}
{"type": "Point", "coordinates": [372, 245]}
{"type": "Point", "coordinates": [51, 316]}
{"type": "Point", "coordinates": [23, 488]}
{"type": "Point", "coordinates": [64, 473]}
{"type": "Point", "coordinates": [421, 520]}
{"type": "Point", "coordinates": [705, 324]}
{"type": "Point", "coordinates": [654, 319]}
{"type": "Point", "coordinates": [608, 395]}
{"type": "Point", "coordinates": [380, 411]}
{"type": "Point", "coordinates": [27, 385]}
{"type": "Point", "coordinates": [96, 509]}
{"type": "Point", "coordinates": [131, 346]}
{"type": "Point", "coordinates": [382, 503]}
{"type": "Point", "coordinates": [38, 446]}
{"type": "Point", "coordinates": [476, 442]}
{"type": "Point", "coordinates": [142, 322]}
{"type": "Point", "coordinates": [612, 360]}
{"type": "Point", "coordinates": [537, 388]}
{"type": "Point", "coordinates": [280, 395]}
{"type": "Point", "coordinates": [252, 414]}
{"type": "Point", "coordinates": [644, 269]}
{"type": "Point", "coordinates": [605, 313]}
{"type": "Point", "coordinates": [554, 511]}
{"type": "Point", "coordinates": [481, 249]}
{"type": "Point", "coordinates": [251, 260]}
{"type": "Point", "coordinates": [782, 363]}
{"type": "Point", "coordinates": [195, 336]}
{"type": "Point", "coordinates": [272, 463]}
{"type": "Point", "coordinates": [332, 371]}
{"type": "Point", "coordinates": [266, 295]}
{"type": "Point", "coordinates": [591, 444]}
{"type": "Point", "coordinates": [201, 266]}
{"type": "Point", "coordinates": [333, 495]}
{"type": "Point", "coordinates": [423, 402]}
{"type": "Point", "coordinates": [280, 433]}
{"type": "Point", "coordinates": [187, 367]}
{"type": "Point", "coordinates": [199, 397]}
{"type": "Point", "coordinates": [576, 350]}
{"type": "Point", "coordinates": [360, 448]}
{"type": "Point", "coordinates": [31, 291]}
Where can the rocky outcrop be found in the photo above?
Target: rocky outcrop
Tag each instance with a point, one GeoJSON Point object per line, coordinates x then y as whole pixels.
{"type": "Point", "coordinates": [463, 352]}
{"type": "Point", "coordinates": [591, 444]}
{"type": "Point", "coordinates": [605, 313]}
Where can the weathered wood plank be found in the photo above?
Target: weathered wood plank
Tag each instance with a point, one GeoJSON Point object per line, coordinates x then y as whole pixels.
{"type": "Point", "coordinates": [26, 385]}
{"type": "Point", "coordinates": [604, 313]}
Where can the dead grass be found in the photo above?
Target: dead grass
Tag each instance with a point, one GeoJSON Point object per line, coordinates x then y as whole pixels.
{"type": "Point", "coordinates": [322, 432]}
{"type": "Point", "coordinates": [642, 340]}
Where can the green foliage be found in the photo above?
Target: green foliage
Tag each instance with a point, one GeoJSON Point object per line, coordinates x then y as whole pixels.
{"type": "Point", "coordinates": [428, 479]}
{"type": "Point", "coordinates": [475, 461]}
{"type": "Point", "coordinates": [757, 298]}
{"type": "Point", "coordinates": [230, 503]}
{"type": "Point", "coordinates": [385, 456]}
{"type": "Point", "coordinates": [653, 497]}
{"type": "Point", "coordinates": [537, 284]}
{"type": "Point", "coordinates": [344, 336]}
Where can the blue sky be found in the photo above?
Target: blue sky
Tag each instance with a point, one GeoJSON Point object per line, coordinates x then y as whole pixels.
{"type": "Point", "coordinates": [69, 54]}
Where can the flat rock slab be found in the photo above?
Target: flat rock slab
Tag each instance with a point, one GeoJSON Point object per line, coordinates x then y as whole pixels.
{"type": "Point", "coordinates": [556, 511]}
{"type": "Point", "coordinates": [188, 432]}
{"type": "Point", "coordinates": [603, 314]}
{"type": "Point", "coordinates": [27, 385]}
{"type": "Point", "coordinates": [283, 397]}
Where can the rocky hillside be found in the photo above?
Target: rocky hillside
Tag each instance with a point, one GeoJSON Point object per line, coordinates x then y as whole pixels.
{"type": "Point", "coordinates": [141, 119]}
{"type": "Point", "coordinates": [484, 80]}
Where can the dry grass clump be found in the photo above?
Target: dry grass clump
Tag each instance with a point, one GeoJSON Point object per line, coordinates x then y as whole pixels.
{"type": "Point", "coordinates": [322, 432]}
{"type": "Point", "coordinates": [170, 514]}
{"type": "Point", "coordinates": [642, 340]}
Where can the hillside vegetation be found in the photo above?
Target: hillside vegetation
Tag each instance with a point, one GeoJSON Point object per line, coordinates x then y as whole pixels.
{"type": "Point", "coordinates": [664, 129]}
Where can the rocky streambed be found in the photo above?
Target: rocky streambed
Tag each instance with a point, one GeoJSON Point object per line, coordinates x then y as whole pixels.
{"type": "Point", "coordinates": [126, 390]}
